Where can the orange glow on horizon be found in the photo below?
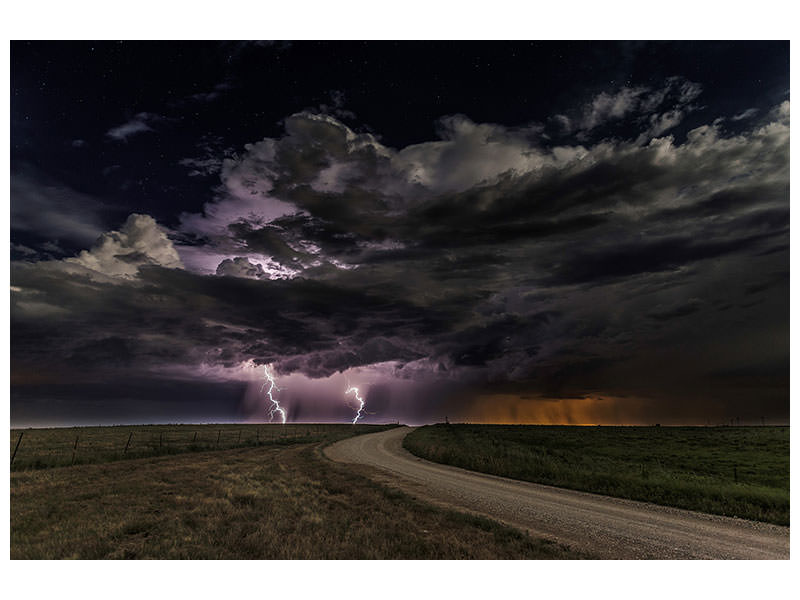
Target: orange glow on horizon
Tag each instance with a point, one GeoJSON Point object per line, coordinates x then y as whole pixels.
{"type": "Point", "coordinates": [593, 410]}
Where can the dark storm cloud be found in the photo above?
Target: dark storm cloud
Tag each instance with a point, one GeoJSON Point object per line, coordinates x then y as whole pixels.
{"type": "Point", "coordinates": [241, 267]}
{"type": "Point", "coordinates": [169, 315]}
{"type": "Point", "coordinates": [674, 312]}
{"type": "Point", "coordinates": [492, 254]}
{"type": "Point", "coordinates": [136, 400]}
{"type": "Point", "coordinates": [637, 257]}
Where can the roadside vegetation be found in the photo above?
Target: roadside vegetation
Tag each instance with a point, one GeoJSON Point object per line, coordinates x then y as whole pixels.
{"type": "Point", "coordinates": [57, 447]}
{"type": "Point", "coordinates": [732, 471]}
{"type": "Point", "coordinates": [274, 501]}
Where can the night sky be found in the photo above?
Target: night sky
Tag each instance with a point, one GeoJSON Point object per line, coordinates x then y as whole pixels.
{"type": "Point", "coordinates": [517, 232]}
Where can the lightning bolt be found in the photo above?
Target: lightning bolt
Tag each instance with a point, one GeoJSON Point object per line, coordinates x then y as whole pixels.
{"type": "Point", "coordinates": [275, 407]}
{"type": "Point", "coordinates": [354, 391]}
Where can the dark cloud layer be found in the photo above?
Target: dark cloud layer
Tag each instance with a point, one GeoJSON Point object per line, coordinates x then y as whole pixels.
{"type": "Point", "coordinates": [614, 259]}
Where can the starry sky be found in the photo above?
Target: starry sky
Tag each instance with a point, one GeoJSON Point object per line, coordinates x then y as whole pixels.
{"type": "Point", "coordinates": [515, 232]}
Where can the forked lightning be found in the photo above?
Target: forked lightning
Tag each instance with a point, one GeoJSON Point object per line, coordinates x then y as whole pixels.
{"type": "Point", "coordinates": [354, 391]}
{"type": "Point", "coordinates": [275, 407]}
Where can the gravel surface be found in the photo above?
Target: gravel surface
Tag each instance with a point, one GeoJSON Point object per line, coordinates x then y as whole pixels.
{"type": "Point", "coordinates": [602, 526]}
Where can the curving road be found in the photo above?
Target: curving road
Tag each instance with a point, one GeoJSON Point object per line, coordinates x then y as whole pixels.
{"type": "Point", "coordinates": [602, 526]}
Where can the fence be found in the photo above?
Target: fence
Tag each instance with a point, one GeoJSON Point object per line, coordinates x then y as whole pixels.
{"type": "Point", "coordinates": [44, 448]}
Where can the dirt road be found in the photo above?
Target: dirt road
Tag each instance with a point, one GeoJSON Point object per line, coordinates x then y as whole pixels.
{"type": "Point", "coordinates": [602, 526]}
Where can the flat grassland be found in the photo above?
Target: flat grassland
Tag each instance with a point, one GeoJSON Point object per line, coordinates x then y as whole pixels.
{"type": "Point", "coordinates": [58, 447]}
{"type": "Point", "coordinates": [279, 499]}
{"type": "Point", "coordinates": [732, 471]}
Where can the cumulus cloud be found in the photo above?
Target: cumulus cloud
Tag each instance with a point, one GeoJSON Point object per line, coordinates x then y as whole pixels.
{"type": "Point", "coordinates": [606, 107]}
{"type": "Point", "coordinates": [664, 122]}
{"type": "Point", "coordinates": [240, 267]}
{"type": "Point", "coordinates": [320, 162]}
{"type": "Point", "coordinates": [468, 154]}
{"type": "Point", "coordinates": [490, 255]}
{"type": "Point", "coordinates": [140, 241]}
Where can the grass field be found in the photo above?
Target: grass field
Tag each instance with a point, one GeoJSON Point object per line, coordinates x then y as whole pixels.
{"type": "Point", "coordinates": [46, 448]}
{"type": "Point", "coordinates": [733, 471]}
{"type": "Point", "coordinates": [273, 501]}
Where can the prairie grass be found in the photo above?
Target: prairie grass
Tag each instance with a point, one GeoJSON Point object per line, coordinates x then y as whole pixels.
{"type": "Point", "coordinates": [732, 471]}
{"type": "Point", "coordinates": [260, 502]}
{"type": "Point", "coordinates": [57, 447]}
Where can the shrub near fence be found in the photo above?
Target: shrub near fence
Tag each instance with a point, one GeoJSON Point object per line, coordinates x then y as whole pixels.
{"type": "Point", "coordinates": [46, 448]}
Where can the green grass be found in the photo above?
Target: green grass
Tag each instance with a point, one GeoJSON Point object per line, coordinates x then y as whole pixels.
{"type": "Point", "coordinates": [733, 471]}
{"type": "Point", "coordinates": [260, 502]}
{"type": "Point", "coordinates": [56, 447]}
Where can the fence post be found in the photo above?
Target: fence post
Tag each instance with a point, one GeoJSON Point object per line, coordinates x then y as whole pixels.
{"type": "Point", "coordinates": [240, 437]}
{"type": "Point", "coordinates": [195, 437]}
{"type": "Point", "coordinates": [13, 456]}
{"type": "Point", "coordinates": [258, 438]}
{"type": "Point", "coordinates": [219, 433]}
{"type": "Point", "coordinates": [75, 448]}
{"type": "Point", "coordinates": [128, 443]}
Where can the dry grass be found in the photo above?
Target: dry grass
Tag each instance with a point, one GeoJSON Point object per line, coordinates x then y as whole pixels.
{"type": "Point", "coordinates": [250, 503]}
{"type": "Point", "coordinates": [58, 447]}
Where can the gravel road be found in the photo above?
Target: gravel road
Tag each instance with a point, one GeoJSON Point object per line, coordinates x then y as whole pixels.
{"type": "Point", "coordinates": [602, 526]}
